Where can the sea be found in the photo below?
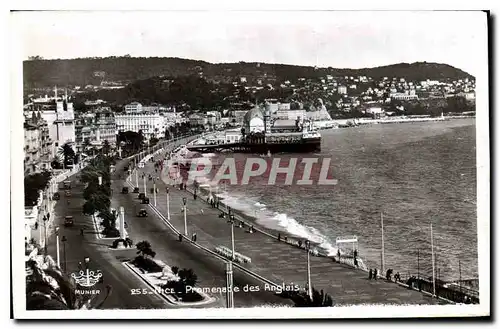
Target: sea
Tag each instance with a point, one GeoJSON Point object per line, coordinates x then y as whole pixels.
{"type": "Point", "coordinates": [408, 175]}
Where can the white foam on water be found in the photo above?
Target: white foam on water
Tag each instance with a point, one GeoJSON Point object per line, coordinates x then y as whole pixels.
{"type": "Point", "coordinates": [278, 221]}
{"type": "Point", "coordinates": [208, 155]}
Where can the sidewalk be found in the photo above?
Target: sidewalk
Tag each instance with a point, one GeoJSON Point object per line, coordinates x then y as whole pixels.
{"type": "Point", "coordinates": [279, 262]}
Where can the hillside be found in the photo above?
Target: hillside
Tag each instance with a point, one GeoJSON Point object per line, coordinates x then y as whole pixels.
{"type": "Point", "coordinates": [83, 71]}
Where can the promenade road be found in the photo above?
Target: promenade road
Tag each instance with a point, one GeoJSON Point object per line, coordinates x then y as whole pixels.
{"type": "Point", "coordinates": [278, 261]}
{"type": "Point", "coordinates": [101, 258]}
{"type": "Point", "coordinates": [210, 271]}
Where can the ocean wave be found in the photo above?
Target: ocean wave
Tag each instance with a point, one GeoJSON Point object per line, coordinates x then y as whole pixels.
{"type": "Point", "coordinates": [278, 221]}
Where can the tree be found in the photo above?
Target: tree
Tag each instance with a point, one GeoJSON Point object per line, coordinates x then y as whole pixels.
{"type": "Point", "coordinates": [188, 277]}
{"type": "Point", "coordinates": [42, 294]}
{"type": "Point", "coordinates": [133, 141]}
{"type": "Point", "coordinates": [33, 184]}
{"type": "Point", "coordinates": [144, 249]}
{"type": "Point", "coordinates": [106, 148]}
{"type": "Point", "coordinates": [319, 299]}
{"type": "Point", "coordinates": [68, 154]}
{"type": "Point", "coordinates": [153, 141]}
{"type": "Point", "coordinates": [167, 134]}
{"type": "Point", "coordinates": [97, 203]}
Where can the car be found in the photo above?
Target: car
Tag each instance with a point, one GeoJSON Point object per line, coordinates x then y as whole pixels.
{"type": "Point", "coordinates": [136, 190]}
{"type": "Point", "coordinates": [140, 165]}
{"type": "Point", "coordinates": [56, 196]}
{"type": "Point", "coordinates": [145, 200]}
{"type": "Point", "coordinates": [125, 190]}
{"type": "Point", "coordinates": [67, 193]}
{"type": "Point", "coordinates": [142, 213]}
{"type": "Point", "coordinates": [141, 196]}
{"type": "Point", "coordinates": [67, 185]}
{"type": "Point", "coordinates": [68, 221]}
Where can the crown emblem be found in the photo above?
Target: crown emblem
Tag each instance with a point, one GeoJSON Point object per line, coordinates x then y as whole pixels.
{"type": "Point", "coordinates": [87, 278]}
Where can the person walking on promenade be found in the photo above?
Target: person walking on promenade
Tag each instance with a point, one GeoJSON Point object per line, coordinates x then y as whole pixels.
{"type": "Point", "coordinates": [279, 237]}
{"type": "Point", "coordinates": [370, 274]}
{"type": "Point", "coordinates": [81, 231]}
{"type": "Point", "coordinates": [355, 257]}
{"type": "Point", "coordinates": [375, 274]}
{"type": "Point", "coordinates": [338, 255]}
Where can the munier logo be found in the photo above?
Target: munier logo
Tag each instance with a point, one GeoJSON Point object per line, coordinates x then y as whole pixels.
{"type": "Point", "coordinates": [87, 278]}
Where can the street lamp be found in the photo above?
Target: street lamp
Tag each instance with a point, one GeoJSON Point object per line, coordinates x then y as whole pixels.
{"type": "Point", "coordinates": [64, 251]}
{"type": "Point", "coordinates": [144, 180]}
{"type": "Point", "coordinates": [45, 219]}
{"type": "Point", "coordinates": [184, 201]}
{"type": "Point", "coordinates": [57, 248]}
{"type": "Point", "coordinates": [231, 220]}
{"type": "Point", "coordinates": [168, 203]}
{"type": "Point", "coordinates": [154, 190]}
{"type": "Point", "coordinates": [309, 287]}
{"type": "Point", "coordinates": [136, 174]}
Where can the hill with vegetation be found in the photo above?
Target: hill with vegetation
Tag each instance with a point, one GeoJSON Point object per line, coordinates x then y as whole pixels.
{"type": "Point", "coordinates": [39, 73]}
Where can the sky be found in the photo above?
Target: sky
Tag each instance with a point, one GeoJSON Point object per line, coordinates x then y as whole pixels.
{"type": "Point", "coordinates": [340, 39]}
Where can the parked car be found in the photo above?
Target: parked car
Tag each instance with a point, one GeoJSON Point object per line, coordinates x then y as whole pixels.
{"type": "Point", "coordinates": [125, 190]}
{"type": "Point", "coordinates": [67, 193]}
{"type": "Point", "coordinates": [136, 190]}
{"type": "Point", "coordinates": [145, 200]}
{"type": "Point", "coordinates": [142, 213]}
{"type": "Point", "coordinates": [68, 221]}
{"type": "Point", "coordinates": [56, 196]}
{"type": "Point", "coordinates": [67, 185]}
{"type": "Point", "coordinates": [141, 196]}
{"type": "Point", "coordinates": [140, 165]}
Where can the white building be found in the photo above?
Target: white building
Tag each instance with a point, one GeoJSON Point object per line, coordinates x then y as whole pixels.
{"type": "Point", "coordinates": [60, 117]}
{"type": "Point", "coordinates": [342, 90]}
{"type": "Point", "coordinates": [290, 114]}
{"type": "Point", "coordinates": [404, 96]}
{"type": "Point", "coordinates": [134, 107]}
{"type": "Point", "coordinates": [150, 124]}
{"type": "Point", "coordinates": [233, 135]}
{"type": "Point", "coordinates": [254, 121]}
{"type": "Point", "coordinates": [197, 120]}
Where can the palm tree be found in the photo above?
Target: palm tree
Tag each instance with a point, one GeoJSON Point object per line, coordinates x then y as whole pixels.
{"type": "Point", "coordinates": [319, 299]}
{"type": "Point", "coordinates": [86, 144]}
{"type": "Point", "coordinates": [144, 249]}
{"type": "Point", "coordinates": [67, 152]}
{"type": "Point", "coordinates": [188, 277]}
{"type": "Point", "coordinates": [106, 147]}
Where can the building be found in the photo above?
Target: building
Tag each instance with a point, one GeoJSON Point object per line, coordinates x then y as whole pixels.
{"type": "Point", "coordinates": [134, 107]}
{"type": "Point", "coordinates": [290, 114]}
{"type": "Point", "coordinates": [95, 128]}
{"type": "Point", "coordinates": [233, 135]}
{"type": "Point", "coordinates": [39, 149]}
{"type": "Point", "coordinates": [342, 90]}
{"type": "Point", "coordinates": [237, 116]}
{"type": "Point", "coordinates": [150, 124]}
{"type": "Point", "coordinates": [403, 96]}
{"type": "Point", "coordinates": [254, 121]}
{"type": "Point", "coordinates": [59, 115]}
{"type": "Point", "coordinates": [197, 120]}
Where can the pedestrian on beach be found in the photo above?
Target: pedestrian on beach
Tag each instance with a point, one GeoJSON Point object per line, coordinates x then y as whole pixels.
{"type": "Point", "coordinates": [370, 274]}
{"type": "Point", "coordinates": [300, 243]}
{"type": "Point", "coordinates": [375, 274]}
